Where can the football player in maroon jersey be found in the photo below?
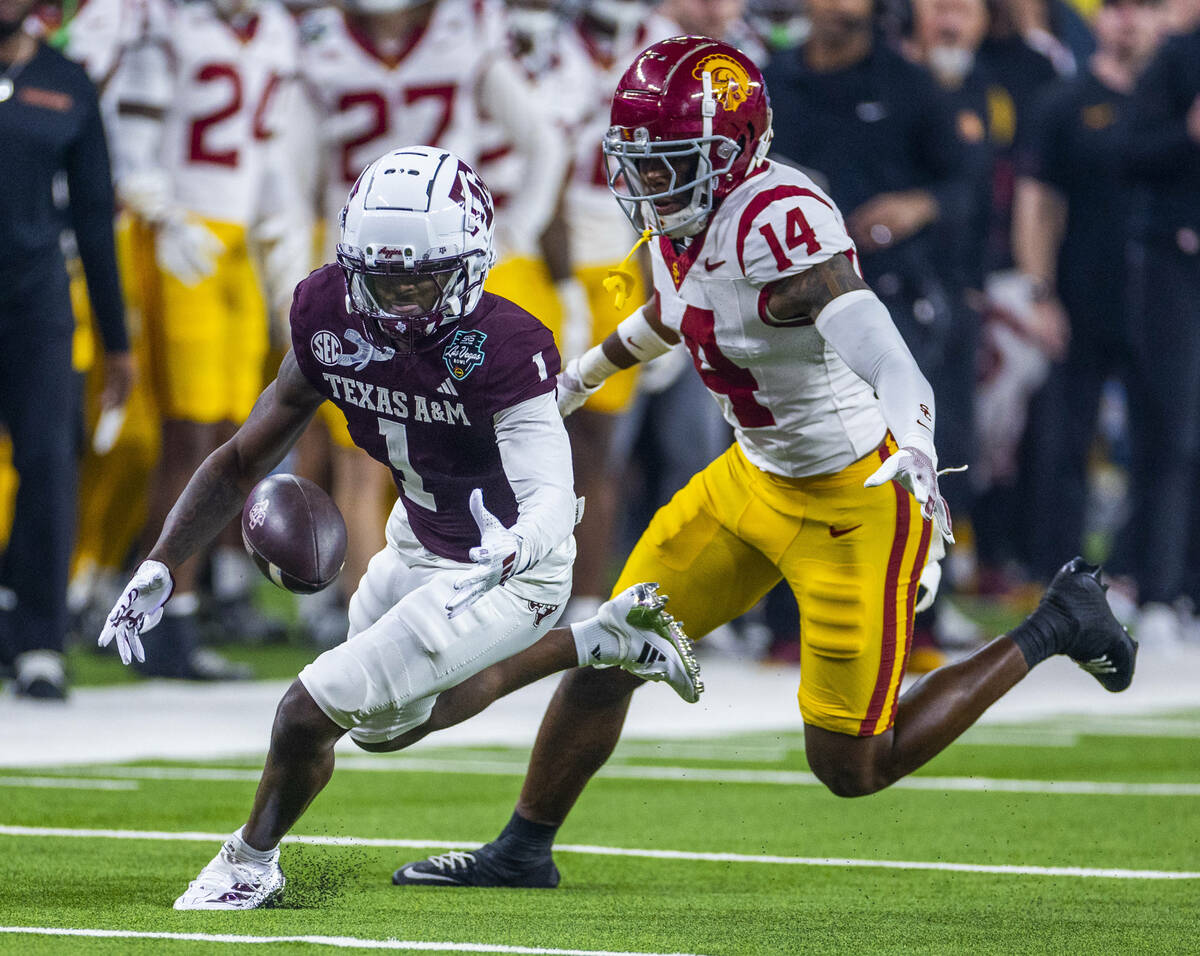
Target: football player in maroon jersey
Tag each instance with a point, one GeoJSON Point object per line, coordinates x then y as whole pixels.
{"type": "Point", "coordinates": [454, 390]}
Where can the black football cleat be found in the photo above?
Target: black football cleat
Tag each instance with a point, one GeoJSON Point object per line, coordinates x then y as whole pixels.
{"type": "Point", "coordinates": [1097, 642]}
{"type": "Point", "coordinates": [483, 867]}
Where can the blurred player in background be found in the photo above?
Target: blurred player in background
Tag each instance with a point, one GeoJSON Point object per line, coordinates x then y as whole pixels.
{"type": "Point", "coordinates": [831, 483]}
{"type": "Point", "coordinates": [199, 96]}
{"type": "Point", "coordinates": [605, 34]}
{"type": "Point", "coordinates": [538, 275]}
{"type": "Point", "coordinates": [381, 72]}
{"type": "Point", "coordinates": [457, 589]}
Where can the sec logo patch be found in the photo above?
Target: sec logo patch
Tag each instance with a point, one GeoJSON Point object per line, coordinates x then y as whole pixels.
{"type": "Point", "coordinates": [326, 348]}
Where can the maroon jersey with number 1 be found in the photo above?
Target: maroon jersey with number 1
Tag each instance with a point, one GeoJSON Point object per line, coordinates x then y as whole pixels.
{"type": "Point", "coordinates": [430, 415]}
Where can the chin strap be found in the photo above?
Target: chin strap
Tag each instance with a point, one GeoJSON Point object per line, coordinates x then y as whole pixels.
{"type": "Point", "coordinates": [764, 144]}
{"type": "Point", "coordinates": [708, 105]}
{"type": "Point", "coordinates": [620, 280]}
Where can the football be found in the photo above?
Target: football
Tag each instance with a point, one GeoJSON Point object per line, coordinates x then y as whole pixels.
{"type": "Point", "coordinates": [294, 533]}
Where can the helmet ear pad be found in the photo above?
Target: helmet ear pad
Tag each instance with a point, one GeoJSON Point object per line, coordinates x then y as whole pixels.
{"type": "Point", "coordinates": [419, 212]}
{"type": "Point", "coordinates": [689, 93]}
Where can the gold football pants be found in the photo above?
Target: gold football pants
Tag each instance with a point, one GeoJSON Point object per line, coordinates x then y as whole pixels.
{"type": "Point", "coordinates": [851, 555]}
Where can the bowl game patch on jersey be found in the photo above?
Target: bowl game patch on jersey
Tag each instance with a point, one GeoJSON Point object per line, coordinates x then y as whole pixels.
{"type": "Point", "coordinates": [465, 352]}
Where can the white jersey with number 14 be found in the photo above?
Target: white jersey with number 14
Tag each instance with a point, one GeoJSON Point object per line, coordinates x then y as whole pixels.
{"type": "Point", "coordinates": [797, 409]}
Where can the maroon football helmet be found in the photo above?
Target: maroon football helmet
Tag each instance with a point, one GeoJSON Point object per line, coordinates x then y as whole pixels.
{"type": "Point", "coordinates": [696, 109]}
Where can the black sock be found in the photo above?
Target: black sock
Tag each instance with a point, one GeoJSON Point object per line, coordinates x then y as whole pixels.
{"type": "Point", "coordinates": [1042, 634]}
{"type": "Point", "coordinates": [524, 841]}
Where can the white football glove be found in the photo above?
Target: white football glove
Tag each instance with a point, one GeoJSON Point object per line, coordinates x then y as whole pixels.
{"type": "Point", "coordinates": [187, 248]}
{"type": "Point", "coordinates": [914, 470]}
{"type": "Point", "coordinates": [571, 392]}
{"type": "Point", "coordinates": [498, 557]}
{"type": "Point", "coordinates": [927, 586]}
{"type": "Point", "coordinates": [931, 575]}
{"type": "Point", "coordinates": [139, 608]}
{"type": "Point", "coordinates": [286, 242]}
{"type": "Point", "coordinates": [146, 193]}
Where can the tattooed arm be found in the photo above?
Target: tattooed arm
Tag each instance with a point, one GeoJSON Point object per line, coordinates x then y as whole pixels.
{"type": "Point", "coordinates": [215, 494]}
{"type": "Point", "coordinates": [850, 317]}
{"type": "Point", "coordinates": [805, 294]}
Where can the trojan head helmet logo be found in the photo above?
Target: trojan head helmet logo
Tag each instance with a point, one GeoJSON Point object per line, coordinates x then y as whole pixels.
{"type": "Point", "coordinates": [730, 81]}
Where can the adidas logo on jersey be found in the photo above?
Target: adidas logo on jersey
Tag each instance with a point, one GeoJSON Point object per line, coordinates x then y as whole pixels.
{"type": "Point", "coordinates": [447, 388]}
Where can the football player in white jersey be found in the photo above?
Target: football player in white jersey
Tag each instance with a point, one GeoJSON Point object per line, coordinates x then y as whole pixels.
{"type": "Point", "coordinates": [538, 275]}
{"type": "Point", "coordinates": [457, 587]}
{"type": "Point", "coordinates": [199, 108]}
{"type": "Point", "coordinates": [831, 484]}
{"type": "Point", "coordinates": [383, 71]}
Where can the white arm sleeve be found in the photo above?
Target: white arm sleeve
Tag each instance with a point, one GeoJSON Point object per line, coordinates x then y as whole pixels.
{"type": "Point", "coordinates": [861, 331]}
{"type": "Point", "coordinates": [505, 96]}
{"type": "Point", "coordinates": [536, 456]}
{"type": "Point", "coordinates": [144, 90]}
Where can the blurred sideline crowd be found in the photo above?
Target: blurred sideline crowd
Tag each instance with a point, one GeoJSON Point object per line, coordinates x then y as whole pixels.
{"type": "Point", "coordinates": [1021, 179]}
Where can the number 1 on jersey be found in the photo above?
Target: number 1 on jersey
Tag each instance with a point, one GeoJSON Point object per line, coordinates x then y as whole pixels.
{"type": "Point", "coordinates": [396, 436]}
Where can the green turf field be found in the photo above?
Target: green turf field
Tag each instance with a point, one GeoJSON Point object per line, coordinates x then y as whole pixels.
{"type": "Point", "coordinates": [762, 860]}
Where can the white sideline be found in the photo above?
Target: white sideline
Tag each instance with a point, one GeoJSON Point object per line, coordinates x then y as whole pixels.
{"type": "Point", "coordinates": [341, 942]}
{"type": "Point", "coordinates": [172, 721]}
{"type": "Point", "coordinates": [68, 783]}
{"type": "Point", "coordinates": [790, 778]}
{"type": "Point", "coordinates": [1007, 869]}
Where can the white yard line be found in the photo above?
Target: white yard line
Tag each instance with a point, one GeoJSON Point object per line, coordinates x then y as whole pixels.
{"type": "Point", "coordinates": [789, 778]}
{"type": "Point", "coordinates": [839, 862]}
{"type": "Point", "coordinates": [339, 942]}
{"type": "Point", "coordinates": [68, 783]}
{"type": "Point", "coordinates": [1133, 727]}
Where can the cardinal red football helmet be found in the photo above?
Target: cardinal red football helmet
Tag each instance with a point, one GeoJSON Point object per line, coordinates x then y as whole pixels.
{"type": "Point", "coordinates": [683, 99]}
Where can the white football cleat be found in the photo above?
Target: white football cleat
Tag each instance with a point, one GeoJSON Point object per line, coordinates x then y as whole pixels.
{"type": "Point", "coordinates": [230, 884]}
{"type": "Point", "coordinates": [651, 643]}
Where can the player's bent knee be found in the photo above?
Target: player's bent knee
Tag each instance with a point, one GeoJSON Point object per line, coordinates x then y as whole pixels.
{"type": "Point", "coordinates": [298, 717]}
{"type": "Point", "coordinates": [848, 781]}
{"type": "Point", "coordinates": [848, 766]}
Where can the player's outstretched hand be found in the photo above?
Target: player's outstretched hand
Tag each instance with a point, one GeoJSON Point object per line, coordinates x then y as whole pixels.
{"type": "Point", "coordinates": [915, 471]}
{"type": "Point", "coordinates": [497, 558]}
{"type": "Point", "coordinates": [138, 610]}
{"type": "Point", "coordinates": [572, 393]}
